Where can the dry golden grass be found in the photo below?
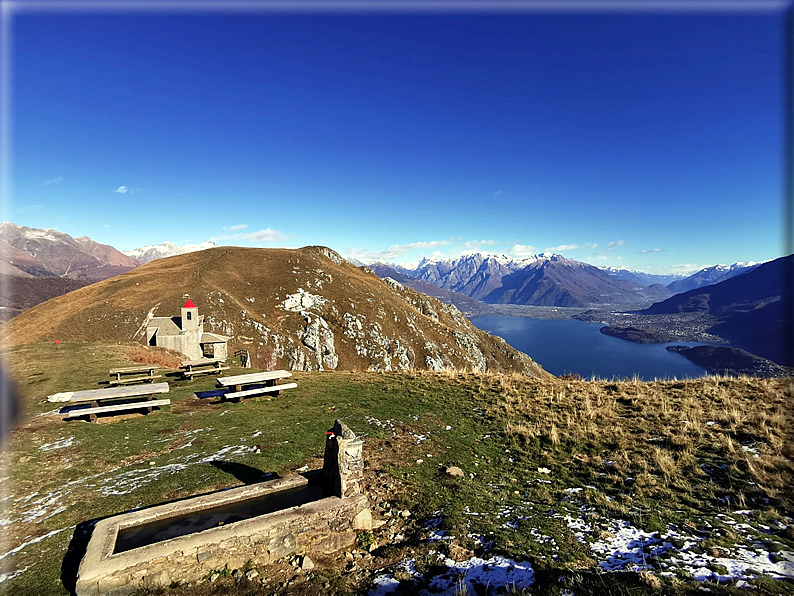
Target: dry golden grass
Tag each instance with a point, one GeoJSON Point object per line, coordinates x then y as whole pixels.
{"type": "Point", "coordinates": [724, 434]}
{"type": "Point", "coordinates": [156, 356]}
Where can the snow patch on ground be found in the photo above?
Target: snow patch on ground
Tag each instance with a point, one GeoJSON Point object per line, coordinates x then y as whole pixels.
{"type": "Point", "coordinates": [495, 571]}
{"type": "Point", "coordinates": [12, 574]}
{"type": "Point", "coordinates": [59, 444]}
{"type": "Point", "coordinates": [30, 542]}
{"type": "Point", "coordinates": [622, 547]}
{"type": "Point", "coordinates": [459, 577]}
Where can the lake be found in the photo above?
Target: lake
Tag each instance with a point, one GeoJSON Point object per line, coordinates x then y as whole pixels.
{"type": "Point", "coordinates": [571, 346]}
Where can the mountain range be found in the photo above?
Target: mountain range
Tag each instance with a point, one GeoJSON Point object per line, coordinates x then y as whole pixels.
{"type": "Point", "coordinates": [468, 306]}
{"type": "Point", "coordinates": [711, 275]}
{"type": "Point", "coordinates": [539, 280]}
{"type": "Point", "coordinates": [151, 252]}
{"type": "Point", "coordinates": [32, 252]}
{"type": "Point", "coordinates": [471, 282]}
{"type": "Point", "coordinates": [36, 265]}
{"type": "Point", "coordinates": [552, 280]}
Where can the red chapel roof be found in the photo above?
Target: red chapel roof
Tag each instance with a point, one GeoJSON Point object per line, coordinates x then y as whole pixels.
{"type": "Point", "coordinates": [189, 304]}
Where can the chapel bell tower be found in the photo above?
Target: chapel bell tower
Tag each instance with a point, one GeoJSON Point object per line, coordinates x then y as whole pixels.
{"type": "Point", "coordinates": [190, 320]}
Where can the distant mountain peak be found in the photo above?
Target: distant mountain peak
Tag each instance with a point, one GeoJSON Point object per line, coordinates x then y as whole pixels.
{"type": "Point", "coordinates": [712, 275]}
{"type": "Point", "coordinates": [152, 252]}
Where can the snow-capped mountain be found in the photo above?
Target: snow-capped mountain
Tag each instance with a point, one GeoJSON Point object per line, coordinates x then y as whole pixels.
{"type": "Point", "coordinates": [642, 278]}
{"type": "Point", "coordinates": [544, 279]}
{"type": "Point", "coordinates": [711, 275]}
{"type": "Point", "coordinates": [144, 254]}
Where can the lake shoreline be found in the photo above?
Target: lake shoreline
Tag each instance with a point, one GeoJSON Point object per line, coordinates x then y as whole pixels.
{"type": "Point", "coordinates": [637, 335]}
{"type": "Point", "coordinates": [678, 327]}
{"type": "Point", "coordinates": [571, 346]}
{"type": "Point", "coordinates": [731, 361]}
{"type": "Point", "coordinates": [716, 358]}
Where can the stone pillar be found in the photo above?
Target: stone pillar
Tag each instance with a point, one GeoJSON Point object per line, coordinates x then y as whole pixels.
{"type": "Point", "coordinates": [343, 463]}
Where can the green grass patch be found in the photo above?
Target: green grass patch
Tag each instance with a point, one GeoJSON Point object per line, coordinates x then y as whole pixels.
{"type": "Point", "coordinates": [532, 451]}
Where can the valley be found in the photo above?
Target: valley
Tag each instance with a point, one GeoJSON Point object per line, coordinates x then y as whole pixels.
{"type": "Point", "coordinates": [677, 326]}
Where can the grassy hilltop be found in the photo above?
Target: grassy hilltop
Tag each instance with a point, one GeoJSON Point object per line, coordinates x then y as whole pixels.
{"type": "Point", "coordinates": [302, 309]}
{"type": "Point", "coordinates": [591, 487]}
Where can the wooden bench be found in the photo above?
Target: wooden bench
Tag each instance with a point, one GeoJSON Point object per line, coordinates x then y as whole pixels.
{"type": "Point", "coordinates": [112, 399]}
{"type": "Point", "coordinates": [202, 366]}
{"type": "Point", "coordinates": [92, 412]}
{"type": "Point", "coordinates": [269, 380]}
{"type": "Point", "coordinates": [119, 379]}
{"type": "Point", "coordinates": [277, 389]}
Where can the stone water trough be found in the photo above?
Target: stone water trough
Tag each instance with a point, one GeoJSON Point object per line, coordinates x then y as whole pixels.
{"type": "Point", "coordinates": [316, 512]}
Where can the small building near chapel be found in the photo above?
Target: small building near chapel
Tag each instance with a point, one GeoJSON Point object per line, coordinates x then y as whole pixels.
{"type": "Point", "coordinates": [186, 334]}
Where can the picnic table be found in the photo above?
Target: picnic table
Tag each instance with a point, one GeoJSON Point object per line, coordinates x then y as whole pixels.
{"type": "Point", "coordinates": [122, 375]}
{"type": "Point", "coordinates": [255, 384]}
{"type": "Point", "coordinates": [113, 399]}
{"type": "Point", "coordinates": [202, 366]}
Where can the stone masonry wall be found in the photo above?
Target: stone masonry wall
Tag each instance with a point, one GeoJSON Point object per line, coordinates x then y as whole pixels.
{"type": "Point", "coordinates": [343, 461]}
{"type": "Point", "coordinates": [323, 526]}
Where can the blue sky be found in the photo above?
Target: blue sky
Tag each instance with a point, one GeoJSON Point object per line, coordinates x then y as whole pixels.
{"type": "Point", "coordinates": [640, 140]}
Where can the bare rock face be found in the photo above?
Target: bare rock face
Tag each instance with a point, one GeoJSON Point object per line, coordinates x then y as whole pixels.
{"type": "Point", "coordinates": [468, 343]}
{"type": "Point", "coordinates": [318, 337]}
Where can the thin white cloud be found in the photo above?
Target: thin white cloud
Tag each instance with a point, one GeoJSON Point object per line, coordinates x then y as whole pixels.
{"type": "Point", "coordinates": [571, 246]}
{"type": "Point", "coordinates": [561, 247]}
{"type": "Point", "coordinates": [646, 251]}
{"type": "Point", "coordinates": [235, 227]}
{"type": "Point", "coordinates": [423, 244]}
{"type": "Point", "coordinates": [53, 181]}
{"type": "Point", "coordinates": [617, 243]}
{"type": "Point", "coordinates": [393, 252]}
{"type": "Point", "coordinates": [266, 236]}
{"type": "Point", "coordinates": [522, 250]}
{"type": "Point", "coordinates": [499, 192]}
{"type": "Point", "coordinates": [121, 190]}
{"type": "Point", "coordinates": [477, 243]}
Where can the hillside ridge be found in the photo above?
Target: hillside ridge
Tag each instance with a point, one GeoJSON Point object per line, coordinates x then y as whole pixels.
{"type": "Point", "coordinates": [302, 309]}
